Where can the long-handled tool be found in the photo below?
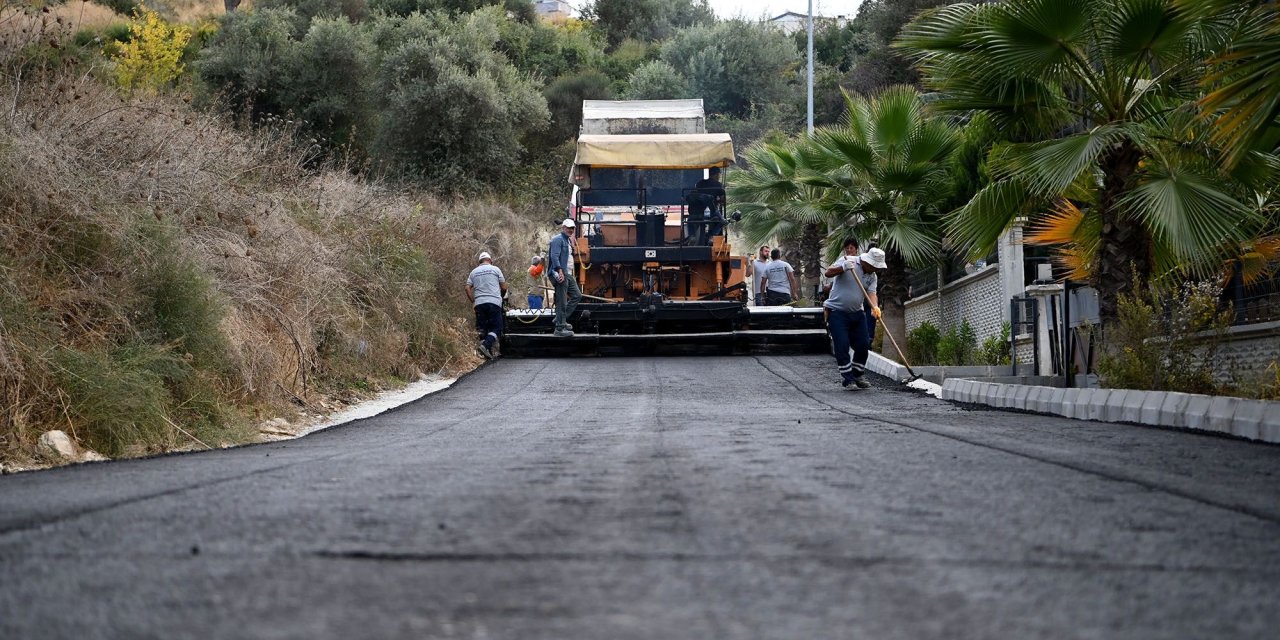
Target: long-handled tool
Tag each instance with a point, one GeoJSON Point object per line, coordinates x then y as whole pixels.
{"type": "Point", "coordinates": [889, 334]}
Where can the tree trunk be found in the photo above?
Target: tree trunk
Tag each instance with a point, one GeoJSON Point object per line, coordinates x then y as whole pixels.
{"type": "Point", "coordinates": [1124, 249]}
{"type": "Point", "coordinates": [810, 260]}
{"type": "Point", "coordinates": [892, 291]}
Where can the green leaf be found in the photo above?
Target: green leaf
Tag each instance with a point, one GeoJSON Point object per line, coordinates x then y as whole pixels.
{"type": "Point", "coordinates": [1051, 167]}
{"type": "Point", "coordinates": [1189, 212]}
{"type": "Point", "coordinates": [1141, 30]}
{"type": "Point", "coordinates": [977, 226]}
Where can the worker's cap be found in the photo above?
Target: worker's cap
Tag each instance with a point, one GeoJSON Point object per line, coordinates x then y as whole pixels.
{"type": "Point", "coordinates": [875, 258]}
{"type": "Point", "coordinates": [484, 255]}
{"type": "Point", "coordinates": [536, 260]}
{"type": "Point", "coordinates": [568, 223]}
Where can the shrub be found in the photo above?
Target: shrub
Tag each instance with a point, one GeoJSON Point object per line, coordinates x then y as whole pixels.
{"type": "Point", "coordinates": [305, 11]}
{"type": "Point", "coordinates": [183, 310]}
{"type": "Point", "coordinates": [453, 110]}
{"type": "Point", "coordinates": [656, 80]}
{"type": "Point", "coordinates": [922, 344]}
{"type": "Point", "coordinates": [122, 7]}
{"type": "Point", "coordinates": [1165, 338]}
{"type": "Point", "coordinates": [248, 62]}
{"type": "Point", "coordinates": [733, 65]}
{"type": "Point", "coordinates": [995, 350]}
{"type": "Point", "coordinates": [326, 84]}
{"type": "Point", "coordinates": [151, 59]}
{"type": "Point", "coordinates": [957, 346]}
{"type": "Point", "coordinates": [118, 397]}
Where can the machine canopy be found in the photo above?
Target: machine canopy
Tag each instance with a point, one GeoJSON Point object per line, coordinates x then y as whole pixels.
{"type": "Point", "coordinates": [655, 151]}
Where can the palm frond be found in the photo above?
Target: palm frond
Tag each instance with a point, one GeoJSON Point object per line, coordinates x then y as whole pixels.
{"type": "Point", "coordinates": [1245, 98]}
{"type": "Point", "coordinates": [1050, 167]}
{"type": "Point", "coordinates": [1039, 37]}
{"type": "Point", "coordinates": [1139, 32]}
{"type": "Point", "coordinates": [977, 226]}
{"type": "Point", "coordinates": [1189, 212]}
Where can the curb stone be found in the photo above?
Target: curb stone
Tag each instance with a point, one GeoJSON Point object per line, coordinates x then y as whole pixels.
{"type": "Point", "coordinates": [1257, 420]}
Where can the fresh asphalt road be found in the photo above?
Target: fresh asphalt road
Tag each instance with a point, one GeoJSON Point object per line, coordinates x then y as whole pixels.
{"type": "Point", "coordinates": [659, 498]}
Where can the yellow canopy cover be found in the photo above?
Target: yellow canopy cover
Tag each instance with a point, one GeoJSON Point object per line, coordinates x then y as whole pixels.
{"type": "Point", "coordinates": [656, 151]}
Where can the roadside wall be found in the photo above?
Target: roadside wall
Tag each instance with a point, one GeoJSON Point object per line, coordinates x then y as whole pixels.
{"type": "Point", "coordinates": [1247, 353]}
{"type": "Point", "coordinates": [977, 297]}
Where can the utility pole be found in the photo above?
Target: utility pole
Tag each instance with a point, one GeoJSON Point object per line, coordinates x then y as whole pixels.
{"type": "Point", "coordinates": [811, 68]}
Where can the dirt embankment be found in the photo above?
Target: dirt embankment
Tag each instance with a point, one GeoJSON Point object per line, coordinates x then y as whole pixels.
{"type": "Point", "coordinates": [168, 280]}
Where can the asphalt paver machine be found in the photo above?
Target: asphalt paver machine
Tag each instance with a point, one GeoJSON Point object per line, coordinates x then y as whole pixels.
{"type": "Point", "coordinates": [651, 253]}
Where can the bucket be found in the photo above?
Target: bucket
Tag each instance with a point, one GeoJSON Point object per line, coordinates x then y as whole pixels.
{"type": "Point", "coordinates": [535, 302]}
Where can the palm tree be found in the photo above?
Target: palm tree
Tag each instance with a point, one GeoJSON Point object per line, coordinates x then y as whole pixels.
{"type": "Point", "coordinates": [1110, 87]}
{"type": "Point", "coordinates": [776, 206]}
{"type": "Point", "coordinates": [1244, 102]}
{"type": "Point", "coordinates": [882, 174]}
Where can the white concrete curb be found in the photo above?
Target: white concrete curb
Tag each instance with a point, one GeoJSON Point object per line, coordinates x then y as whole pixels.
{"type": "Point", "coordinates": [1251, 419]}
{"type": "Point", "coordinates": [877, 363]}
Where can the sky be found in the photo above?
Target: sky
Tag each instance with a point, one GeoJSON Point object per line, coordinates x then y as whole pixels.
{"type": "Point", "coordinates": [771, 8]}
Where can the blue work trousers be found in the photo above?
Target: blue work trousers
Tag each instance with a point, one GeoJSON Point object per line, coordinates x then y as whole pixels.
{"type": "Point", "coordinates": [848, 329]}
{"type": "Point", "coordinates": [489, 323]}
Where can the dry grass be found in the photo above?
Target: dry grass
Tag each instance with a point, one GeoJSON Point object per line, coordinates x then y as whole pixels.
{"type": "Point", "coordinates": [319, 282]}
{"type": "Point", "coordinates": [75, 14]}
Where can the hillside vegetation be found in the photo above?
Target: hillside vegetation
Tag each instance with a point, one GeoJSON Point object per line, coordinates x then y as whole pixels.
{"type": "Point", "coordinates": [167, 279]}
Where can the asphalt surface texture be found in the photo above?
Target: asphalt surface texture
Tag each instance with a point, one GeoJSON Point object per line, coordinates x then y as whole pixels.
{"type": "Point", "coordinates": [746, 497]}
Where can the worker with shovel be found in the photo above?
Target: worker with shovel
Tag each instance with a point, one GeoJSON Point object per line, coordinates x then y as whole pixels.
{"type": "Point", "coordinates": [854, 282]}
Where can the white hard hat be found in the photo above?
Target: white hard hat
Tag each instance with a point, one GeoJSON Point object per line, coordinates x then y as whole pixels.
{"type": "Point", "coordinates": [484, 255]}
{"type": "Point", "coordinates": [568, 222]}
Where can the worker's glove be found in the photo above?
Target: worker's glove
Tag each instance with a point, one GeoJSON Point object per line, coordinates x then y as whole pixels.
{"type": "Point", "coordinates": [875, 311]}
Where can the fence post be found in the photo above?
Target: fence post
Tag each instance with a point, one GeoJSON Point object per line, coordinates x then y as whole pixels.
{"type": "Point", "coordinates": [1237, 290]}
{"type": "Point", "coordinates": [1068, 371]}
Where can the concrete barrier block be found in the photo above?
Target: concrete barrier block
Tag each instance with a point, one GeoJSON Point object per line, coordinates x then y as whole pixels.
{"type": "Point", "coordinates": [1151, 401]}
{"type": "Point", "coordinates": [1040, 399]}
{"type": "Point", "coordinates": [1222, 413]}
{"type": "Point", "coordinates": [950, 387]}
{"type": "Point", "coordinates": [1131, 405]}
{"type": "Point", "coordinates": [1196, 413]}
{"type": "Point", "coordinates": [1020, 396]}
{"type": "Point", "coordinates": [1033, 398]}
{"type": "Point", "coordinates": [1080, 403]}
{"type": "Point", "coordinates": [1247, 421]}
{"type": "Point", "coordinates": [1059, 402]}
{"type": "Point", "coordinates": [1270, 423]}
{"type": "Point", "coordinates": [1173, 412]}
{"type": "Point", "coordinates": [991, 395]}
{"type": "Point", "coordinates": [1004, 395]}
{"type": "Point", "coordinates": [965, 388]}
{"type": "Point", "coordinates": [1113, 410]}
{"type": "Point", "coordinates": [1098, 403]}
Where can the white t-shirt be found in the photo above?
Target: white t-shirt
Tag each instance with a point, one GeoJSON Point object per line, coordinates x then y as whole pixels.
{"type": "Point", "coordinates": [776, 274]}
{"type": "Point", "coordinates": [757, 273]}
{"type": "Point", "coordinates": [486, 282]}
{"type": "Point", "coordinates": [846, 295]}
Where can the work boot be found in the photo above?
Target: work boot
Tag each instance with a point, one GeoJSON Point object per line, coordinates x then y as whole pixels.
{"type": "Point", "coordinates": [563, 333]}
{"type": "Point", "coordinates": [862, 383]}
{"type": "Point", "coordinates": [484, 351]}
